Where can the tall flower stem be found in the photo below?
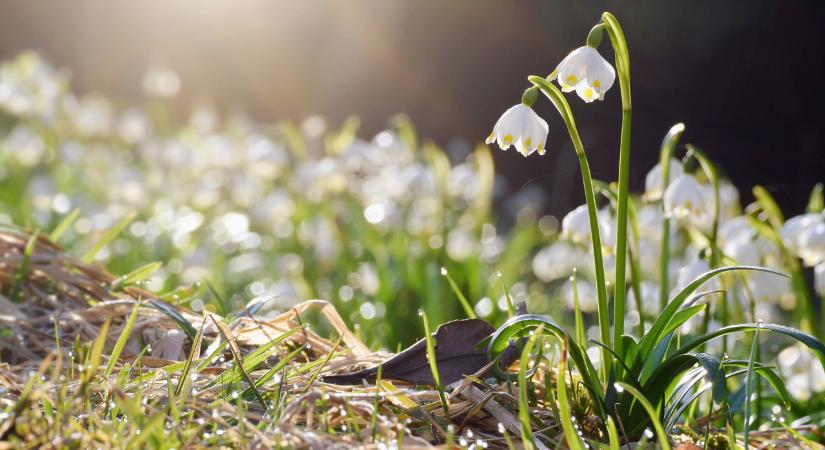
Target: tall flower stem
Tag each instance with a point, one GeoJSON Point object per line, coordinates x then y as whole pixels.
{"type": "Point", "coordinates": [668, 146]}
{"type": "Point", "coordinates": [623, 71]}
{"type": "Point", "coordinates": [555, 96]}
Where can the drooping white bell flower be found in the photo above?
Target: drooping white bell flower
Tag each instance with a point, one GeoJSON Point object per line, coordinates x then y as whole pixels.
{"type": "Point", "coordinates": [736, 229]}
{"type": "Point", "coordinates": [576, 226]}
{"type": "Point", "coordinates": [819, 279]}
{"type": "Point", "coordinates": [522, 127]}
{"type": "Point", "coordinates": [794, 227]}
{"type": "Point", "coordinates": [585, 71]}
{"type": "Point", "coordinates": [812, 244]}
{"type": "Point", "coordinates": [684, 198]}
{"type": "Point", "coordinates": [653, 180]}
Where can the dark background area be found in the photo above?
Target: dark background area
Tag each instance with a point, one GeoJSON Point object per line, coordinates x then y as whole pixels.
{"type": "Point", "coordinates": [744, 76]}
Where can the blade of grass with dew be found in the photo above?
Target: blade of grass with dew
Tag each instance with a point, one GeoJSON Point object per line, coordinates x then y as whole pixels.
{"type": "Point", "coordinates": [251, 361]}
{"type": "Point", "coordinates": [136, 276]}
{"type": "Point", "coordinates": [651, 411]}
{"type": "Point", "coordinates": [236, 355]}
{"type": "Point", "coordinates": [276, 368]}
{"type": "Point", "coordinates": [107, 237]}
{"type": "Point", "coordinates": [511, 310]}
{"type": "Point", "coordinates": [574, 441]}
{"type": "Point", "coordinates": [23, 269]}
{"type": "Point", "coordinates": [64, 225]}
{"type": "Point", "coordinates": [748, 388]}
{"type": "Point", "coordinates": [184, 382]}
{"type": "Point", "coordinates": [434, 364]}
{"type": "Point", "coordinates": [523, 405]}
{"type": "Point", "coordinates": [121, 341]}
{"type": "Point", "coordinates": [461, 298]}
{"type": "Point", "coordinates": [323, 364]}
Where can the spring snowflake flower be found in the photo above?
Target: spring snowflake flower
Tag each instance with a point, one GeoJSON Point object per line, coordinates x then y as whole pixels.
{"type": "Point", "coordinates": [522, 127]}
{"type": "Point", "coordinates": [812, 244]}
{"type": "Point", "coordinates": [684, 198]}
{"type": "Point", "coordinates": [653, 180]}
{"type": "Point", "coordinates": [585, 71]}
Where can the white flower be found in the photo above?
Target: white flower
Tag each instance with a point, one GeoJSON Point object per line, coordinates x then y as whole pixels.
{"type": "Point", "coordinates": [819, 279]}
{"type": "Point", "coordinates": [653, 180]}
{"type": "Point", "coordinates": [736, 229]}
{"type": "Point", "coordinates": [684, 198]}
{"type": "Point", "coordinates": [794, 227]}
{"type": "Point", "coordinates": [585, 71]}
{"type": "Point", "coordinates": [812, 244]}
{"type": "Point", "coordinates": [576, 226]}
{"type": "Point", "coordinates": [522, 127]}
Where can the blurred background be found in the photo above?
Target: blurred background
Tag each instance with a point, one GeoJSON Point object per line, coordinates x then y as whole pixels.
{"type": "Point", "coordinates": [744, 76]}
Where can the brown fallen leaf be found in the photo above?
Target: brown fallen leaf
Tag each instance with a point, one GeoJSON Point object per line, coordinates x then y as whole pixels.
{"type": "Point", "coordinates": [455, 352]}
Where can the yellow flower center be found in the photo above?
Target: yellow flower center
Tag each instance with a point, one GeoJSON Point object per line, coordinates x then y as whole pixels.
{"type": "Point", "coordinates": [527, 142]}
{"type": "Point", "coordinates": [597, 84]}
{"type": "Point", "coordinates": [508, 139]}
{"type": "Point", "coordinates": [588, 93]}
{"type": "Point", "coordinates": [572, 79]}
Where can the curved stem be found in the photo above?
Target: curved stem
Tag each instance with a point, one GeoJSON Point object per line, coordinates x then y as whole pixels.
{"type": "Point", "coordinates": [555, 96]}
{"type": "Point", "coordinates": [668, 145]}
{"type": "Point", "coordinates": [623, 68]}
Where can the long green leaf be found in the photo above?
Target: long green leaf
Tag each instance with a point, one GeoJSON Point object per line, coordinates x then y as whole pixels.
{"type": "Point", "coordinates": [571, 435]}
{"type": "Point", "coordinates": [657, 330]}
{"type": "Point", "coordinates": [814, 344]}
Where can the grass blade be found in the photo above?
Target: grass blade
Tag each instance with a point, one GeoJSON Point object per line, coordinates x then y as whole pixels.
{"type": "Point", "coordinates": [461, 298]}
{"type": "Point", "coordinates": [107, 237]}
{"type": "Point", "coordinates": [64, 225]}
{"type": "Point", "coordinates": [23, 268]}
{"type": "Point", "coordinates": [433, 363]}
{"type": "Point", "coordinates": [136, 276]}
{"type": "Point", "coordinates": [121, 341]}
{"type": "Point", "coordinates": [574, 442]}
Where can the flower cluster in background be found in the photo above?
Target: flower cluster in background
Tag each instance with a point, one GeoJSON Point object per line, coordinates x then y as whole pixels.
{"type": "Point", "coordinates": [257, 215]}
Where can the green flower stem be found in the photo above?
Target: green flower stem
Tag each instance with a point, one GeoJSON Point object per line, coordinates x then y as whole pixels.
{"type": "Point", "coordinates": [555, 96]}
{"type": "Point", "coordinates": [668, 146]}
{"type": "Point", "coordinates": [623, 69]}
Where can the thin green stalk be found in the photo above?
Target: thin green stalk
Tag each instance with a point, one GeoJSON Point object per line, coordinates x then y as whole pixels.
{"type": "Point", "coordinates": [619, 43]}
{"type": "Point", "coordinates": [555, 96]}
{"type": "Point", "coordinates": [668, 145]}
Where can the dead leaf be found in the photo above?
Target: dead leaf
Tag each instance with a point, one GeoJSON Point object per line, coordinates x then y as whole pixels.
{"type": "Point", "coordinates": [455, 351]}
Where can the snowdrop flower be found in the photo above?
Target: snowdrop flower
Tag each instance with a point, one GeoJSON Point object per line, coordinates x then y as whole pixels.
{"type": "Point", "coordinates": [522, 127]}
{"type": "Point", "coordinates": [585, 71]}
{"type": "Point", "coordinates": [653, 180]}
{"type": "Point", "coordinates": [684, 198]}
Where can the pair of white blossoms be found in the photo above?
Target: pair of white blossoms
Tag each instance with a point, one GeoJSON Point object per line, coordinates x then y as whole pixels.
{"type": "Point", "coordinates": [584, 70]}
